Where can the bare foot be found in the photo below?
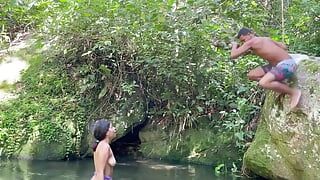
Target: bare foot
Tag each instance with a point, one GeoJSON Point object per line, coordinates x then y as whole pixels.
{"type": "Point", "coordinates": [295, 98]}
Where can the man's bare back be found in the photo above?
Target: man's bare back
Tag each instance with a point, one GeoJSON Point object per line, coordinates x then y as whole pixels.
{"type": "Point", "coordinates": [268, 49]}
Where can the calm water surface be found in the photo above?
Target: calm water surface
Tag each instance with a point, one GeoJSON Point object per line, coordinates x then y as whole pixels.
{"type": "Point", "coordinates": [124, 170]}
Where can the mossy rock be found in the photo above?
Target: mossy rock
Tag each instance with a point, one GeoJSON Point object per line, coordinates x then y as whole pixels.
{"type": "Point", "coordinates": [201, 146]}
{"type": "Point", "coordinates": [287, 142]}
{"type": "Point", "coordinates": [36, 150]}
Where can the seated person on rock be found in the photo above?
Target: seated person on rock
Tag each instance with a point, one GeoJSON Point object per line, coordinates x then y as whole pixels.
{"type": "Point", "coordinates": [281, 66]}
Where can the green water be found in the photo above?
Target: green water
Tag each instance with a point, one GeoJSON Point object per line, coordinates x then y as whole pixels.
{"type": "Point", "coordinates": [124, 170]}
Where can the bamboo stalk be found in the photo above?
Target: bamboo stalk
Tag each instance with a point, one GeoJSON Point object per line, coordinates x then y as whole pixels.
{"type": "Point", "coordinates": [282, 20]}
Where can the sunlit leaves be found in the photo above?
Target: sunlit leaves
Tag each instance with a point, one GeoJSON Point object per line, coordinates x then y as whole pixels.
{"type": "Point", "coordinates": [303, 26]}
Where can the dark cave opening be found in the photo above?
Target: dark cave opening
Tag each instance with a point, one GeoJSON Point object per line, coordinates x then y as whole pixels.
{"type": "Point", "coordinates": [128, 145]}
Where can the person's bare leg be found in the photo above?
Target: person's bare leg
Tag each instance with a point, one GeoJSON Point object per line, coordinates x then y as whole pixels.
{"type": "Point", "coordinates": [268, 82]}
{"type": "Point", "coordinates": [256, 74]}
{"type": "Point", "coordinates": [295, 98]}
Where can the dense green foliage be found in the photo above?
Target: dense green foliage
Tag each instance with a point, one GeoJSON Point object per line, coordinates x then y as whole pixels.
{"type": "Point", "coordinates": [20, 16]}
{"type": "Point", "coordinates": [118, 53]}
{"type": "Point", "coordinates": [48, 109]}
{"type": "Point", "coordinates": [301, 24]}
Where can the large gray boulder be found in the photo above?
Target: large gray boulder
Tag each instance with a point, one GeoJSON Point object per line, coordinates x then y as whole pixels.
{"type": "Point", "coordinates": [287, 142]}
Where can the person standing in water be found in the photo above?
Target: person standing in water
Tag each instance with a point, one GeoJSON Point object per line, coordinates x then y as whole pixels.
{"type": "Point", "coordinates": [104, 160]}
{"type": "Point", "coordinates": [281, 66]}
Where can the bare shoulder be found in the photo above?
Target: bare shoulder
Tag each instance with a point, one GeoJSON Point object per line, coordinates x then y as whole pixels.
{"type": "Point", "coordinates": [255, 41]}
{"type": "Point", "coordinates": [268, 39]}
{"type": "Point", "coordinates": [271, 41]}
{"type": "Point", "coordinates": [103, 147]}
{"type": "Point", "coordinates": [260, 39]}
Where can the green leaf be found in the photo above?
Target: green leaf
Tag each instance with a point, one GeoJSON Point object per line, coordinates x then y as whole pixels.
{"type": "Point", "coordinates": [103, 92]}
{"type": "Point", "coordinates": [105, 70]}
{"type": "Point", "coordinates": [240, 135]}
{"type": "Point", "coordinates": [200, 109]}
{"type": "Point", "coordinates": [86, 53]}
{"type": "Point", "coordinates": [218, 169]}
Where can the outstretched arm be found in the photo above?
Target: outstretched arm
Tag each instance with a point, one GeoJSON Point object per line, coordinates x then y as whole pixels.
{"type": "Point", "coordinates": [238, 51]}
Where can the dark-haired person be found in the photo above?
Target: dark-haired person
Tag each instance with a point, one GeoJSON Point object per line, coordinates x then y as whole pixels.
{"type": "Point", "coordinates": [104, 160]}
{"type": "Point", "coordinates": [281, 66]}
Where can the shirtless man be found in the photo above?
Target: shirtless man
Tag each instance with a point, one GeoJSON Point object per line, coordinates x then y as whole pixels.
{"type": "Point", "coordinates": [281, 66]}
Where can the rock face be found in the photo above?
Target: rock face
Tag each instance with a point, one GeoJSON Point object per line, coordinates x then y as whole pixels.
{"type": "Point", "coordinates": [204, 146]}
{"type": "Point", "coordinates": [287, 143]}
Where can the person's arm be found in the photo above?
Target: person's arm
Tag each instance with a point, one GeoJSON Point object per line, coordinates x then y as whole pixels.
{"type": "Point", "coordinates": [280, 44]}
{"type": "Point", "coordinates": [238, 51]}
{"type": "Point", "coordinates": [101, 159]}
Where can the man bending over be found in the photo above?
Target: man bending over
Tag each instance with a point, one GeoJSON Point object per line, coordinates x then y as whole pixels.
{"type": "Point", "coordinates": [281, 66]}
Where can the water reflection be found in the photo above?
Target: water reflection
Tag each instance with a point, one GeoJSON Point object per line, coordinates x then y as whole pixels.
{"type": "Point", "coordinates": [124, 170]}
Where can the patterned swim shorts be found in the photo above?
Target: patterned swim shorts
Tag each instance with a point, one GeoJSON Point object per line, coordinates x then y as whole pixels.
{"type": "Point", "coordinates": [283, 70]}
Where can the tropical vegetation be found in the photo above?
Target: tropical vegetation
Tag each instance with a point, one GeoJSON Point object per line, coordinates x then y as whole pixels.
{"type": "Point", "coordinates": [112, 58]}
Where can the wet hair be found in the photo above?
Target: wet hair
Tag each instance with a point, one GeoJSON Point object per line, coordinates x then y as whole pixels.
{"type": "Point", "coordinates": [100, 130]}
{"type": "Point", "coordinates": [243, 31]}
